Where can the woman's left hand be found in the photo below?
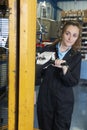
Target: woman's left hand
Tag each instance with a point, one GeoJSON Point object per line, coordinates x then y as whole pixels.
{"type": "Point", "coordinates": [58, 63]}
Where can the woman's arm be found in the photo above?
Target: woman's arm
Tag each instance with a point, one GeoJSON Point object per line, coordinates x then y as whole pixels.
{"type": "Point", "coordinates": [71, 75]}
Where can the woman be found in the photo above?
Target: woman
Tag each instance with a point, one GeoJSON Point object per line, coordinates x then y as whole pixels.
{"type": "Point", "coordinates": [56, 99]}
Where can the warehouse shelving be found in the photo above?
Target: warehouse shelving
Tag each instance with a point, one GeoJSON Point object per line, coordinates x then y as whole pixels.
{"type": "Point", "coordinates": [4, 26]}
{"type": "Point", "coordinates": [81, 17]}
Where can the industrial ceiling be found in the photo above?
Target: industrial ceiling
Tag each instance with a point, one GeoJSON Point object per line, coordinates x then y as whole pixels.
{"type": "Point", "coordinates": [69, 0]}
{"type": "Point", "coordinates": [54, 2]}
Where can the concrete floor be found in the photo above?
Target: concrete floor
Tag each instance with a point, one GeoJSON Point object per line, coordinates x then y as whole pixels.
{"type": "Point", "coordinates": [79, 117]}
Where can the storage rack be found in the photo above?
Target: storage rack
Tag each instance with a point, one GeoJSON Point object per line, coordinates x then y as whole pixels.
{"type": "Point", "coordinates": [80, 16]}
{"type": "Point", "coordinates": [4, 20]}
{"type": "Point", "coordinates": [3, 48]}
{"type": "Point", "coordinates": [84, 39]}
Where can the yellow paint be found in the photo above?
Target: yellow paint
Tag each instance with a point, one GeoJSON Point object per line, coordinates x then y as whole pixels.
{"type": "Point", "coordinates": [27, 64]}
{"type": "Point", "coordinates": [12, 66]}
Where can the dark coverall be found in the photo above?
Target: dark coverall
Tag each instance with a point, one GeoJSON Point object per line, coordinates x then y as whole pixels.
{"type": "Point", "coordinates": [56, 99]}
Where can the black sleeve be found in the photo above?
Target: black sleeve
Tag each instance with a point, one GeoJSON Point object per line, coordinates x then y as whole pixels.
{"type": "Point", "coordinates": [71, 78]}
{"type": "Point", "coordinates": [40, 71]}
{"type": "Point", "coordinates": [39, 68]}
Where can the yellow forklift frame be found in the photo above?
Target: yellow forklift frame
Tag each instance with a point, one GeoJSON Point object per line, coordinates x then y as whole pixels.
{"type": "Point", "coordinates": [21, 102]}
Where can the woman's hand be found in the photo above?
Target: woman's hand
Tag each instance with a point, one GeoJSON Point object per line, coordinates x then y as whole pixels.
{"type": "Point", "coordinates": [58, 63]}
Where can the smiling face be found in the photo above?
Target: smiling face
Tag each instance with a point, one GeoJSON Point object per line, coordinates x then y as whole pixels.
{"type": "Point", "coordinates": [70, 35]}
